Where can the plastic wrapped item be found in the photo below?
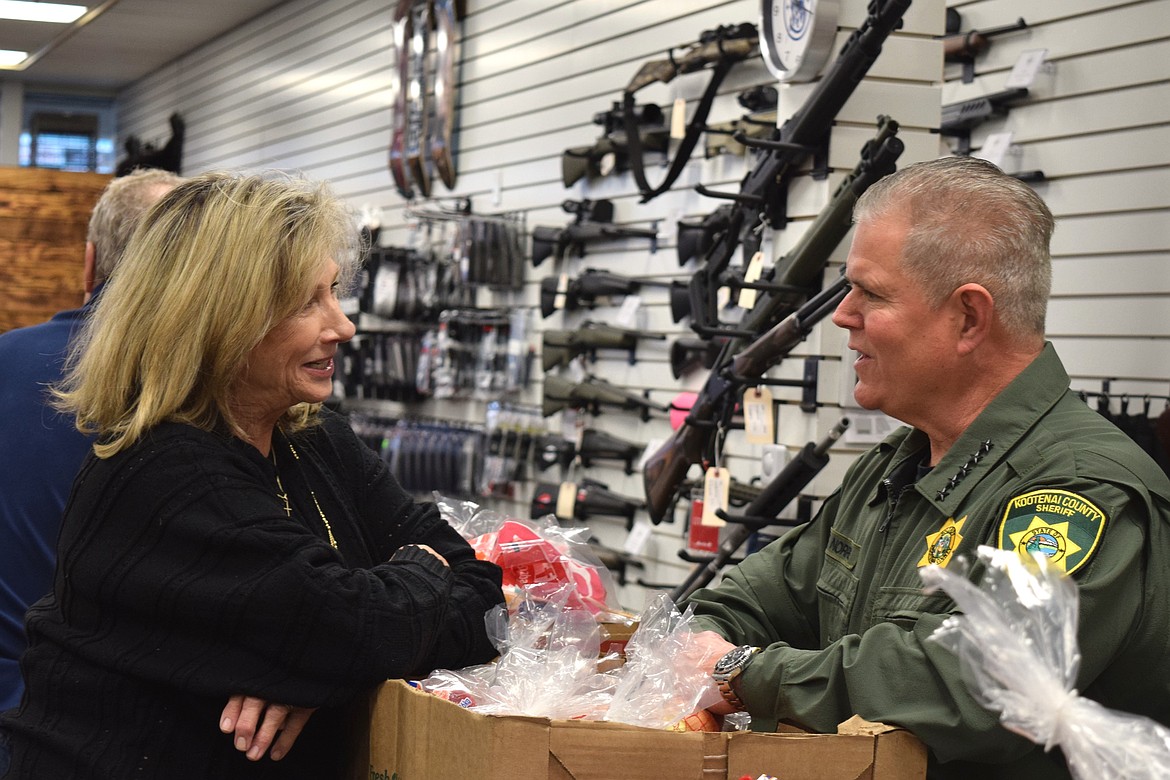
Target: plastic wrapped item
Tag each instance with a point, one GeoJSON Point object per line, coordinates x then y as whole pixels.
{"type": "Point", "coordinates": [662, 681]}
{"type": "Point", "coordinates": [537, 556]}
{"type": "Point", "coordinates": [548, 664]}
{"type": "Point", "coordinates": [1016, 641]}
{"type": "Point", "coordinates": [549, 667]}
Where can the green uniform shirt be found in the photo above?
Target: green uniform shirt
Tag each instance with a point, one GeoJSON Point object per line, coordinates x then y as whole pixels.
{"type": "Point", "coordinates": [839, 608]}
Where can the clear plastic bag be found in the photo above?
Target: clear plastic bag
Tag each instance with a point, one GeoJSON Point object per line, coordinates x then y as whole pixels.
{"type": "Point", "coordinates": [549, 667]}
{"type": "Point", "coordinates": [1016, 641]}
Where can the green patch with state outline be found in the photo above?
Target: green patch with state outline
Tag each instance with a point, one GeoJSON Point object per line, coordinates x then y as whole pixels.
{"type": "Point", "coordinates": [1063, 526]}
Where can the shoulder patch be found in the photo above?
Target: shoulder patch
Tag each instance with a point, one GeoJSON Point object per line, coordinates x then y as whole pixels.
{"type": "Point", "coordinates": [1064, 526]}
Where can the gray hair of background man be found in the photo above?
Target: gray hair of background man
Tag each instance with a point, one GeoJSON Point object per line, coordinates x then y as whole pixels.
{"type": "Point", "coordinates": [971, 222]}
{"type": "Point", "coordinates": [119, 210]}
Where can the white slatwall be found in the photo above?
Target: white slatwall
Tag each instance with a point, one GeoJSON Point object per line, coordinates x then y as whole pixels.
{"type": "Point", "coordinates": [307, 87]}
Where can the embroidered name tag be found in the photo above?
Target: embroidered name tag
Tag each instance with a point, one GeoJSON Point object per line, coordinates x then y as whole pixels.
{"type": "Point", "coordinates": [1062, 526]}
{"type": "Point", "coordinates": [842, 549]}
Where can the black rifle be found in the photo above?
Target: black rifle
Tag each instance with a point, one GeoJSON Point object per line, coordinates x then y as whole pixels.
{"type": "Point", "coordinates": [959, 119]}
{"type": "Point", "coordinates": [713, 409]}
{"type": "Point", "coordinates": [763, 509]}
{"type": "Point", "coordinates": [595, 445]}
{"type": "Point", "coordinates": [688, 354]}
{"type": "Point", "coordinates": [559, 347]}
{"type": "Point", "coordinates": [719, 49]}
{"type": "Point", "coordinates": [592, 393]}
{"type": "Point", "coordinates": [610, 151]}
{"type": "Point", "coordinates": [590, 498]}
{"type": "Point", "coordinates": [586, 289]}
{"type": "Point", "coordinates": [695, 239]}
{"type": "Point", "coordinates": [599, 445]}
{"type": "Point", "coordinates": [761, 199]}
{"type": "Point", "coordinates": [593, 221]}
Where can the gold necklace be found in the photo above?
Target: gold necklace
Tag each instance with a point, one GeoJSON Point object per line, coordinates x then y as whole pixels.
{"type": "Point", "coordinates": [282, 494]}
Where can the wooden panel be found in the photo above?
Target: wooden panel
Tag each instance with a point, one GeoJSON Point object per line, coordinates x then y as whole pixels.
{"type": "Point", "coordinates": [44, 215]}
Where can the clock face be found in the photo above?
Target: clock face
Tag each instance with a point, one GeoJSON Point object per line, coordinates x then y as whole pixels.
{"type": "Point", "coordinates": [797, 36]}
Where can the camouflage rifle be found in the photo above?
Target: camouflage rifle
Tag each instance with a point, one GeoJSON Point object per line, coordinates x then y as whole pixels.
{"type": "Point", "coordinates": [559, 347]}
{"type": "Point", "coordinates": [719, 50]}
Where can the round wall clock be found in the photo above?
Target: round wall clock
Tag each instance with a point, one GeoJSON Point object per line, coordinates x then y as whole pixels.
{"type": "Point", "coordinates": [797, 36]}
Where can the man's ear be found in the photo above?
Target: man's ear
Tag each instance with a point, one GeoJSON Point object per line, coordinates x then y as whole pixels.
{"type": "Point", "coordinates": [90, 268]}
{"type": "Point", "coordinates": [977, 310]}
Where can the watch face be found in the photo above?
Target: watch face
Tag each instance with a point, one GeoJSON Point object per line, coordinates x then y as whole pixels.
{"type": "Point", "coordinates": [733, 659]}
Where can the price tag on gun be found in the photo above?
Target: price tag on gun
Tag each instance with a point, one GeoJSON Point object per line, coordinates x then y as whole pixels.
{"type": "Point", "coordinates": [716, 492]}
{"type": "Point", "coordinates": [758, 420]}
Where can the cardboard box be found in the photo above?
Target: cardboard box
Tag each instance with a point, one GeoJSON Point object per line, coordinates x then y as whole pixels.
{"type": "Point", "coordinates": [417, 736]}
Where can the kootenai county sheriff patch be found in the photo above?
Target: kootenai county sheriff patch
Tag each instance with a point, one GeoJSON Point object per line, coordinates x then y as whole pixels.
{"type": "Point", "coordinates": [1063, 526]}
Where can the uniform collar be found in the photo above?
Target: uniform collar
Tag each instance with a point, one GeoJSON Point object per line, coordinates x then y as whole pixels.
{"type": "Point", "coordinates": [996, 431]}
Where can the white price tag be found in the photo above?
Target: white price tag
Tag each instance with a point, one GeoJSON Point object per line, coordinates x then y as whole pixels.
{"type": "Point", "coordinates": [566, 500]}
{"type": "Point", "coordinates": [747, 298]}
{"type": "Point", "coordinates": [627, 315]}
{"type": "Point", "coordinates": [1026, 67]}
{"type": "Point", "coordinates": [758, 421]}
{"type": "Point", "coordinates": [716, 490]}
{"type": "Point", "coordinates": [638, 537]}
{"type": "Point", "coordinates": [678, 119]}
{"type": "Point", "coordinates": [562, 291]}
{"type": "Point", "coordinates": [995, 147]}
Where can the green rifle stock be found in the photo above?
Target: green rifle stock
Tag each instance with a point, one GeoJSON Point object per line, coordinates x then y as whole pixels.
{"type": "Point", "coordinates": [592, 393]}
{"type": "Point", "coordinates": [691, 443]}
{"type": "Point", "coordinates": [580, 162]}
{"type": "Point", "coordinates": [559, 347]}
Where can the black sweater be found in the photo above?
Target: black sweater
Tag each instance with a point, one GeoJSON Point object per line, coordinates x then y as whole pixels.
{"type": "Point", "coordinates": [182, 581]}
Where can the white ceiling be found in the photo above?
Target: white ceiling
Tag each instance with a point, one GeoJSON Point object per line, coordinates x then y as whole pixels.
{"type": "Point", "coordinates": [124, 41]}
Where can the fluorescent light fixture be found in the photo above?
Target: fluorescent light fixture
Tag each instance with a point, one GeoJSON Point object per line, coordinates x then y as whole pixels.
{"type": "Point", "coordinates": [9, 57]}
{"type": "Point", "coordinates": [24, 11]}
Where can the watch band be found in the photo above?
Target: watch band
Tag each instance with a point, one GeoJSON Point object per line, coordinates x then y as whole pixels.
{"type": "Point", "coordinates": [729, 667]}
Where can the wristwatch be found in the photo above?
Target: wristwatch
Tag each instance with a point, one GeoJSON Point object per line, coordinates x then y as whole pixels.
{"type": "Point", "coordinates": [728, 668]}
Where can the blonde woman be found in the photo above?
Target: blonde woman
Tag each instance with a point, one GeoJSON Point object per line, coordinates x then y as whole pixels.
{"type": "Point", "coordinates": [228, 536]}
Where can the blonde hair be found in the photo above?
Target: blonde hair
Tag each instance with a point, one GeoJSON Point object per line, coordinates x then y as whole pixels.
{"type": "Point", "coordinates": [119, 210]}
{"type": "Point", "coordinates": [215, 265]}
{"type": "Point", "coordinates": [970, 222]}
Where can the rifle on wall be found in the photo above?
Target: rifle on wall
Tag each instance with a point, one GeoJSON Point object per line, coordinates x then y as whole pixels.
{"type": "Point", "coordinates": [592, 221]}
{"type": "Point", "coordinates": [592, 393]}
{"type": "Point", "coordinates": [761, 198]}
{"type": "Point", "coordinates": [720, 49]}
{"type": "Point", "coordinates": [558, 292]}
{"type": "Point", "coordinates": [559, 347]}
{"type": "Point", "coordinates": [693, 441]}
{"type": "Point", "coordinates": [610, 152]}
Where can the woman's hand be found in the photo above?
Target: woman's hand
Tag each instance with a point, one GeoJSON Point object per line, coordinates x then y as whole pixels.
{"type": "Point", "coordinates": [428, 548]}
{"type": "Point", "coordinates": [242, 715]}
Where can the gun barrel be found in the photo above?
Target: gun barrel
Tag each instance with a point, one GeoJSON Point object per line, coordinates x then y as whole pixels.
{"type": "Point", "coordinates": [776, 495]}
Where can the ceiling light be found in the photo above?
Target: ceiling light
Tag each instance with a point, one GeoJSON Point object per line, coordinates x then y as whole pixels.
{"type": "Point", "coordinates": [9, 57]}
{"type": "Point", "coordinates": [24, 11]}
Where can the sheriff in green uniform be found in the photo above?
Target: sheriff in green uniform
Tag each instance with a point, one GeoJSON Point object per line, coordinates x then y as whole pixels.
{"type": "Point", "coordinates": [950, 276]}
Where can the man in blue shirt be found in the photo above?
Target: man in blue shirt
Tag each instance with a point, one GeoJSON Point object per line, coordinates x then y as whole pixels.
{"type": "Point", "coordinates": [40, 449]}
